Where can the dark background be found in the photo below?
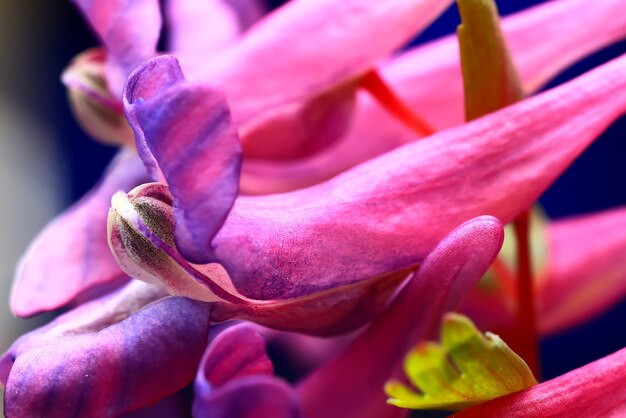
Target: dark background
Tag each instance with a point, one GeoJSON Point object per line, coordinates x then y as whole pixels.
{"type": "Point", "coordinates": [594, 182]}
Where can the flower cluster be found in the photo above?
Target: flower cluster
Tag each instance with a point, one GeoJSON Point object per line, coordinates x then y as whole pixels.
{"type": "Point", "coordinates": [294, 173]}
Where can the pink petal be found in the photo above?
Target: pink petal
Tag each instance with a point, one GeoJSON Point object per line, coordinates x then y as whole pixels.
{"type": "Point", "coordinates": [185, 130]}
{"type": "Point", "coordinates": [429, 79]}
{"type": "Point", "coordinates": [129, 30]}
{"type": "Point", "coordinates": [105, 372]}
{"type": "Point", "coordinates": [387, 214]}
{"type": "Point", "coordinates": [199, 29]}
{"type": "Point", "coordinates": [297, 130]}
{"type": "Point", "coordinates": [321, 44]}
{"type": "Point", "coordinates": [70, 259]}
{"type": "Point", "coordinates": [586, 272]}
{"type": "Point", "coordinates": [596, 389]}
{"type": "Point", "coordinates": [351, 384]}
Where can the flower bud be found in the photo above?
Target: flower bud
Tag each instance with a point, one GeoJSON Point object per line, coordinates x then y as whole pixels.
{"type": "Point", "coordinates": [97, 111]}
{"type": "Point", "coordinates": [141, 237]}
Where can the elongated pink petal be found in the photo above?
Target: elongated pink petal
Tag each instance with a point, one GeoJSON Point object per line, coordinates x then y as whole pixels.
{"type": "Point", "coordinates": [185, 130]}
{"type": "Point", "coordinates": [321, 44]}
{"type": "Point", "coordinates": [586, 272]}
{"type": "Point", "coordinates": [201, 28]}
{"type": "Point", "coordinates": [596, 389]}
{"type": "Point", "coordinates": [129, 30]}
{"type": "Point", "coordinates": [428, 78]}
{"type": "Point", "coordinates": [388, 213]}
{"type": "Point", "coordinates": [71, 259]}
{"type": "Point", "coordinates": [543, 40]}
{"type": "Point", "coordinates": [105, 372]}
{"type": "Point", "coordinates": [351, 384]}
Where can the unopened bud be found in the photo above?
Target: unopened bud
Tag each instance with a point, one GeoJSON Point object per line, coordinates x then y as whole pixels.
{"type": "Point", "coordinates": [141, 237]}
{"type": "Point", "coordinates": [97, 111]}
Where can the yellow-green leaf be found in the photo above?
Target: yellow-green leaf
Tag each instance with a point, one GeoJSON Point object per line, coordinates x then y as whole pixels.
{"type": "Point", "coordinates": [489, 76]}
{"type": "Point", "coordinates": [466, 369]}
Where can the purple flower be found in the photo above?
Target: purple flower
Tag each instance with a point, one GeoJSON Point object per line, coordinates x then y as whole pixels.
{"type": "Point", "coordinates": [417, 75]}
{"type": "Point", "coordinates": [372, 241]}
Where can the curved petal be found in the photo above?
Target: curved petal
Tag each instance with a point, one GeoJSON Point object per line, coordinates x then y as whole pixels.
{"type": "Point", "coordinates": [92, 316]}
{"type": "Point", "coordinates": [185, 132]}
{"type": "Point", "coordinates": [235, 353]}
{"type": "Point", "coordinates": [129, 30]}
{"type": "Point", "coordinates": [70, 258]}
{"type": "Point", "coordinates": [351, 384]}
{"type": "Point", "coordinates": [123, 367]}
{"type": "Point", "coordinates": [249, 397]}
{"type": "Point", "coordinates": [428, 78]}
{"type": "Point", "coordinates": [388, 213]}
{"type": "Point", "coordinates": [235, 379]}
{"type": "Point", "coordinates": [586, 271]}
{"type": "Point", "coordinates": [321, 44]}
{"type": "Point", "coordinates": [596, 389]}
{"type": "Point", "coordinates": [201, 28]}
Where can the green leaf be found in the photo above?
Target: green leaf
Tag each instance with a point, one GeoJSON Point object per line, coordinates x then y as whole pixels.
{"type": "Point", "coordinates": [466, 369]}
{"type": "Point", "coordinates": [489, 76]}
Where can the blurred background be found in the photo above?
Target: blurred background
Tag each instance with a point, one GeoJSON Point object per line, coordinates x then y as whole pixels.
{"type": "Point", "coordinates": [46, 161]}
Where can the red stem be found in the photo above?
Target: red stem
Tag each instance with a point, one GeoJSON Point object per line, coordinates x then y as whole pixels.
{"type": "Point", "coordinates": [528, 347]}
{"type": "Point", "coordinates": [378, 88]}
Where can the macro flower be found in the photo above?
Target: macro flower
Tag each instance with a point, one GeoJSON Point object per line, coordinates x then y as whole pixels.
{"type": "Point", "coordinates": [284, 169]}
{"type": "Point", "coordinates": [419, 76]}
{"type": "Point", "coordinates": [104, 345]}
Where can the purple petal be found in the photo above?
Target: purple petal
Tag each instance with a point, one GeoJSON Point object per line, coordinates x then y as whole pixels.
{"type": "Point", "coordinates": [235, 353]}
{"type": "Point", "coordinates": [321, 44]}
{"type": "Point", "coordinates": [71, 258]}
{"type": "Point", "coordinates": [351, 384]}
{"type": "Point", "coordinates": [235, 379]}
{"type": "Point", "coordinates": [185, 131]}
{"type": "Point", "coordinates": [249, 397]}
{"type": "Point", "coordinates": [387, 214]}
{"type": "Point", "coordinates": [120, 368]}
{"type": "Point", "coordinates": [91, 316]}
{"type": "Point", "coordinates": [129, 30]}
{"type": "Point", "coordinates": [175, 406]}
